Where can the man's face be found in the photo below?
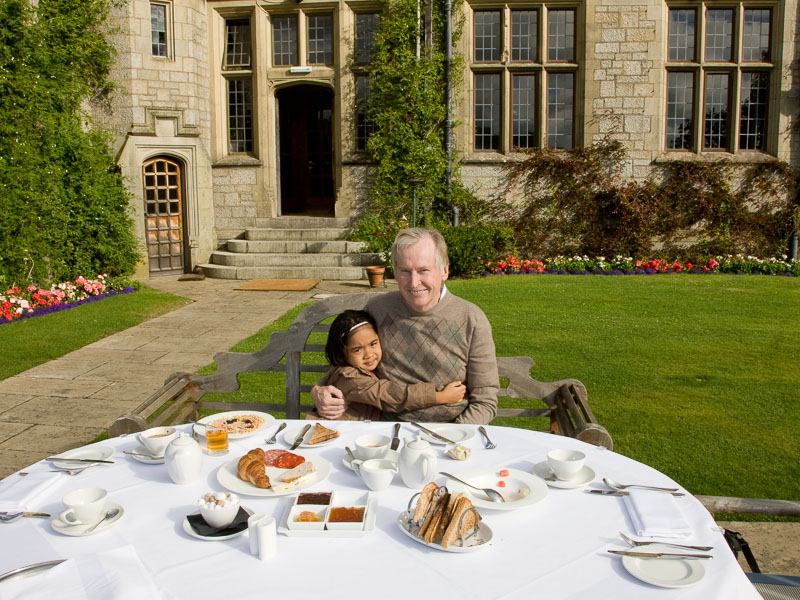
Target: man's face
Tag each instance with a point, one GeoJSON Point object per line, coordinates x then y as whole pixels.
{"type": "Point", "coordinates": [419, 279]}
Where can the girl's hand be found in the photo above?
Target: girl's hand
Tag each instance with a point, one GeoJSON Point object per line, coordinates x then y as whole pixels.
{"type": "Point", "coordinates": [453, 392]}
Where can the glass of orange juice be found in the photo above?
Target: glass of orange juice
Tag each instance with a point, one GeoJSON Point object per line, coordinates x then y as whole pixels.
{"type": "Point", "coordinates": [216, 440]}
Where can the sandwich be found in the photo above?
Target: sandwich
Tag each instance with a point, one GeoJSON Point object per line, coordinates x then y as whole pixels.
{"type": "Point", "coordinates": [321, 433]}
{"type": "Point", "coordinates": [439, 515]}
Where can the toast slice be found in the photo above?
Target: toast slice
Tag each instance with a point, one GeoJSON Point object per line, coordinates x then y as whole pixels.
{"type": "Point", "coordinates": [424, 501]}
{"type": "Point", "coordinates": [320, 433]}
{"type": "Point", "coordinates": [454, 531]}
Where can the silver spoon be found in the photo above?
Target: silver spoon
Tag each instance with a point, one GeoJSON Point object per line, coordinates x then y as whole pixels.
{"type": "Point", "coordinates": [619, 486]}
{"type": "Point", "coordinates": [274, 437]}
{"type": "Point", "coordinates": [494, 495]}
{"type": "Point", "coordinates": [636, 543]}
{"type": "Point", "coordinates": [109, 515]}
{"type": "Point", "coordinates": [350, 453]}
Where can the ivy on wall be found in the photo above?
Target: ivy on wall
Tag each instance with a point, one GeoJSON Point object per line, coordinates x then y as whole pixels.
{"type": "Point", "coordinates": [63, 205]}
{"type": "Point", "coordinates": [576, 202]}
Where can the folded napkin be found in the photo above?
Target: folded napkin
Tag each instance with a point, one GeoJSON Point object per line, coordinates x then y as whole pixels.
{"type": "Point", "coordinates": [656, 514]}
{"type": "Point", "coordinates": [114, 575]}
{"type": "Point", "coordinates": [22, 493]}
{"type": "Point", "coordinates": [200, 526]}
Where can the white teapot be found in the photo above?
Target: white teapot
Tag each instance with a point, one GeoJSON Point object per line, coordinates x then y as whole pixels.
{"type": "Point", "coordinates": [184, 459]}
{"type": "Point", "coordinates": [417, 463]}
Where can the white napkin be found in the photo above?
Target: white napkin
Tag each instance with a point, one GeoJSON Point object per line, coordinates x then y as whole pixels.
{"type": "Point", "coordinates": [21, 493]}
{"type": "Point", "coordinates": [656, 514]}
{"type": "Point", "coordinates": [114, 575]}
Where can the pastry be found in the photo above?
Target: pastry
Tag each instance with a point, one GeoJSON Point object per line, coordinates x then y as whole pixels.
{"type": "Point", "coordinates": [251, 469]}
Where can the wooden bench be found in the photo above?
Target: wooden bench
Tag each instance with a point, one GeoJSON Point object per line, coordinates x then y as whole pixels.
{"type": "Point", "coordinates": [563, 402]}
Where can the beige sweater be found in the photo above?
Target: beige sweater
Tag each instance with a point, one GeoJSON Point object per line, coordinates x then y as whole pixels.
{"type": "Point", "coordinates": [450, 342]}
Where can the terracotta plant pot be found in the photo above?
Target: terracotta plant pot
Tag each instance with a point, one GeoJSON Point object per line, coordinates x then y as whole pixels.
{"type": "Point", "coordinates": [375, 276]}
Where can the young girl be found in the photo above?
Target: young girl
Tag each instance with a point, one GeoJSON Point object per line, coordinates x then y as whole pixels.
{"type": "Point", "coordinates": [354, 351]}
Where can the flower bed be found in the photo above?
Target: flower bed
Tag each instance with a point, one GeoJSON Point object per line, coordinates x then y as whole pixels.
{"type": "Point", "coordinates": [17, 303]}
{"type": "Point", "coordinates": [620, 265]}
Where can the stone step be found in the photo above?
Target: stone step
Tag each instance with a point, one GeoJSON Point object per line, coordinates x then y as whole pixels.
{"type": "Point", "coordinates": [247, 273]}
{"type": "Point", "coordinates": [302, 223]}
{"type": "Point", "coordinates": [299, 261]}
{"type": "Point", "coordinates": [299, 247]}
{"type": "Point", "coordinates": [326, 234]}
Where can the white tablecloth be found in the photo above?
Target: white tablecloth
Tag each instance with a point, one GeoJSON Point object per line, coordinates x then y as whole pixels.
{"type": "Point", "coordinates": [556, 548]}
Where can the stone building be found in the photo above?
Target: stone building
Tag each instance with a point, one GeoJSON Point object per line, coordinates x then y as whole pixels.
{"type": "Point", "coordinates": [230, 112]}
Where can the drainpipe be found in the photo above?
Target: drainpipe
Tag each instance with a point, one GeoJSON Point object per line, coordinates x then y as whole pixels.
{"type": "Point", "coordinates": [448, 121]}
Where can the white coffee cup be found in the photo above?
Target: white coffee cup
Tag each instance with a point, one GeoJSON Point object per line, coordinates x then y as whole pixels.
{"type": "Point", "coordinates": [377, 473]}
{"type": "Point", "coordinates": [84, 506]}
{"type": "Point", "coordinates": [371, 445]}
{"type": "Point", "coordinates": [565, 463]}
{"type": "Point", "coordinates": [156, 439]}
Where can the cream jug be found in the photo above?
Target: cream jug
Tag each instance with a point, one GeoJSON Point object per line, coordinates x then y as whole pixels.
{"type": "Point", "coordinates": [184, 459]}
{"type": "Point", "coordinates": [417, 463]}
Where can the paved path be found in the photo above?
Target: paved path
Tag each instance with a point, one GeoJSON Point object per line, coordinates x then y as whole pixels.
{"type": "Point", "coordinates": [71, 400]}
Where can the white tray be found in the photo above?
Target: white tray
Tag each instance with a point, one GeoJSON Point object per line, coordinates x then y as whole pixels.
{"type": "Point", "coordinates": [369, 524]}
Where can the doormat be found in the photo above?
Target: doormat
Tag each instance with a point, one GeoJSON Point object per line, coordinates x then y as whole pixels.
{"type": "Point", "coordinates": [285, 285]}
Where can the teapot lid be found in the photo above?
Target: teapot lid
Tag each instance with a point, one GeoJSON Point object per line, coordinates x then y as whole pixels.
{"type": "Point", "coordinates": [419, 443]}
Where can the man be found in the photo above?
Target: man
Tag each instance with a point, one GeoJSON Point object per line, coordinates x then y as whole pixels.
{"type": "Point", "coordinates": [428, 335]}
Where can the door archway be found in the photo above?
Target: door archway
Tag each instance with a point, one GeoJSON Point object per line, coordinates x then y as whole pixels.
{"type": "Point", "coordinates": [305, 122]}
{"type": "Point", "coordinates": [164, 216]}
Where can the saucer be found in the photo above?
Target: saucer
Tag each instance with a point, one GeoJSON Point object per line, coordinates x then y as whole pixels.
{"type": "Point", "coordinates": [80, 530]}
{"type": "Point", "coordinates": [143, 456]}
{"type": "Point", "coordinates": [584, 476]}
{"type": "Point", "coordinates": [187, 527]}
{"type": "Point", "coordinates": [392, 455]}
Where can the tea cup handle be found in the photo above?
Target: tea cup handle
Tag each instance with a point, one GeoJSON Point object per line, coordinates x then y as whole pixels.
{"type": "Point", "coordinates": [68, 520]}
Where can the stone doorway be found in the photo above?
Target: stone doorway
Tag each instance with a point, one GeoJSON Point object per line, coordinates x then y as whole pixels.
{"type": "Point", "coordinates": [305, 124]}
{"type": "Point", "coordinates": [164, 222]}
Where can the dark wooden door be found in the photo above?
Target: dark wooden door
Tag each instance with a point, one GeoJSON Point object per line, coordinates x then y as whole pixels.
{"type": "Point", "coordinates": [164, 223]}
{"type": "Point", "coordinates": [306, 150]}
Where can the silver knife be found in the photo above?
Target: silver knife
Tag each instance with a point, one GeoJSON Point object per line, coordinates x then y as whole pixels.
{"type": "Point", "coordinates": [433, 433]}
{"type": "Point", "coordinates": [300, 437]}
{"type": "Point", "coordinates": [395, 439]}
{"type": "Point", "coordinates": [86, 460]}
{"type": "Point", "coordinates": [621, 493]}
{"type": "Point", "coordinates": [660, 554]}
{"type": "Point", "coordinates": [30, 514]}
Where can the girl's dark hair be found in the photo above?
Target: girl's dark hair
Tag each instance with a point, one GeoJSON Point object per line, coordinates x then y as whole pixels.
{"type": "Point", "coordinates": [340, 331]}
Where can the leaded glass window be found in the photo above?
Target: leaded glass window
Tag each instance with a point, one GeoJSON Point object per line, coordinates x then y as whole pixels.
{"type": "Point", "coordinates": [320, 40]}
{"type": "Point", "coordinates": [284, 40]}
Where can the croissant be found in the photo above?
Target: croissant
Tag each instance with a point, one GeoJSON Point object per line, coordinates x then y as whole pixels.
{"type": "Point", "coordinates": [251, 468]}
{"type": "Point", "coordinates": [256, 474]}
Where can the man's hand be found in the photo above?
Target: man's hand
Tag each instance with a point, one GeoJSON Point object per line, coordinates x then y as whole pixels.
{"type": "Point", "coordinates": [329, 401]}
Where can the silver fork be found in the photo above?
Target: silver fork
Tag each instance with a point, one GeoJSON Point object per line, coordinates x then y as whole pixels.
{"type": "Point", "coordinates": [636, 543]}
{"type": "Point", "coordinates": [490, 445]}
{"type": "Point", "coordinates": [274, 437]}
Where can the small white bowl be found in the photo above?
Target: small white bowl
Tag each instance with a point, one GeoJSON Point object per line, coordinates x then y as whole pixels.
{"type": "Point", "coordinates": [318, 510]}
{"type": "Point", "coordinates": [221, 515]}
{"type": "Point", "coordinates": [346, 525]}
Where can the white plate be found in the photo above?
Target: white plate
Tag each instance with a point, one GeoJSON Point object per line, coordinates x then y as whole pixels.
{"type": "Point", "coordinates": [187, 527]}
{"type": "Point", "coordinates": [664, 572]}
{"type": "Point", "coordinates": [475, 542]}
{"type": "Point", "coordinates": [392, 455]}
{"type": "Point", "coordinates": [456, 433]}
{"type": "Point", "coordinates": [228, 477]}
{"type": "Point", "coordinates": [290, 435]}
{"type": "Point", "coordinates": [75, 530]}
{"type": "Point", "coordinates": [143, 456]}
{"type": "Point", "coordinates": [487, 478]}
{"type": "Point", "coordinates": [93, 452]}
{"type": "Point", "coordinates": [584, 476]}
{"type": "Point", "coordinates": [369, 524]}
{"type": "Point", "coordinates": [268, 421]}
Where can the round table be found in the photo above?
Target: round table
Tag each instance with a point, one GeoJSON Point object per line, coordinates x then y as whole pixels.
{"type": "Point", "coordinates": [555, 548]}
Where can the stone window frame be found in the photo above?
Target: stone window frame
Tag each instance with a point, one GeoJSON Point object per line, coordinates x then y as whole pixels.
{"type": "Point", "coordinates": [700, 67]}
{"type": "Point", "coordinates": [301, 50]}
{"type": "Point", "coordinates": [541, 67]}
{"type": "Point", "coordinates": [168, 29]}
{"type": "Point", "coordinates": [360, 60]}
{"type": "Point", "coordinates": [230, 74]}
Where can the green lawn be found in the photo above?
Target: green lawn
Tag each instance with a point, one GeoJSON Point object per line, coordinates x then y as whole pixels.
{"type": "Point", "coordinates": [697, 376]}
{"type": "Point", "coordinates": [31, 342]}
